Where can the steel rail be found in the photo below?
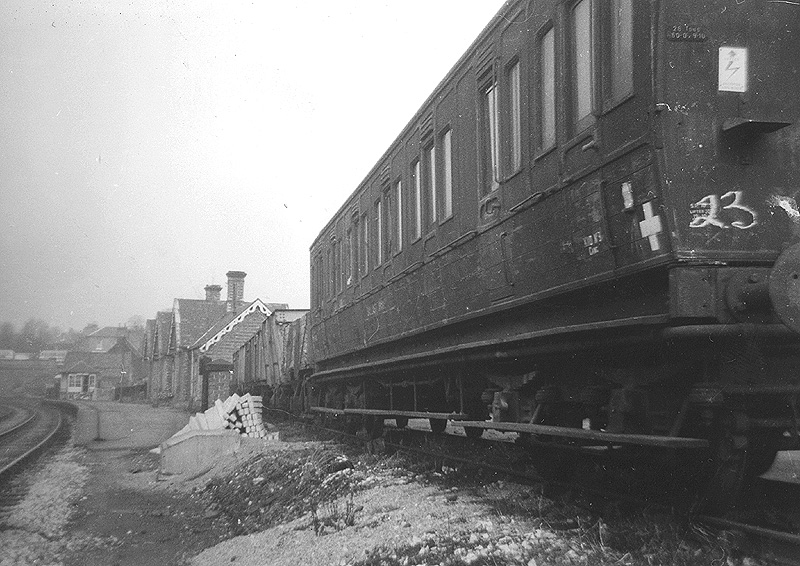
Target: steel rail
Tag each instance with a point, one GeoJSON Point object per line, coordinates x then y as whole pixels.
{"type": "Point", "coordinates": [39, 442]}
{"type": "Point", "coordinates": [24, 422]}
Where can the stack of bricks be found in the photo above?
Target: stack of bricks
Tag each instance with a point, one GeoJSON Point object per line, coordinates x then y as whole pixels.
{"type": "Point", "coordinates": [243, 414]}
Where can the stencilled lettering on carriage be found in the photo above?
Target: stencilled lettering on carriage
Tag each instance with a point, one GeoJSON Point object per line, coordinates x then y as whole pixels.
{"type": "Point", "coordinates": [592, 242]}
{"type": "Point", "coordinates": [726, 211]}
{"type": "Point", "coordinates": [686, 32]}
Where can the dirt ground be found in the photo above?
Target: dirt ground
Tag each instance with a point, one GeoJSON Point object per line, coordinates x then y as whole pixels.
{"type": "Point", "coordinates": [144, 524]}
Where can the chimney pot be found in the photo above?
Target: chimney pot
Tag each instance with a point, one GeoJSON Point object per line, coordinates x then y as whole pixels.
{"type": "Point", "coordinates": [235, 290]}
{"type": "Point", "coordinates": [213, 292]}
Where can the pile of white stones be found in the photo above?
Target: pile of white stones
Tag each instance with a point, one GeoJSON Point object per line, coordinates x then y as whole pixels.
{"type": "Point", "coordinates": [239, 413]}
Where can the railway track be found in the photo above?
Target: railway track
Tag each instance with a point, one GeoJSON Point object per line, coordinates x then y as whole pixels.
{"type": "Point", "coordinates": [772, 543]}
{"type": "Point", "coordinates": [35, 425]}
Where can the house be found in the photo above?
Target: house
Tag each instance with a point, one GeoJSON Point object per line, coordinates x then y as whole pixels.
{"type": "Point", "coordinates": [175, 340]}
{"type": "Point", "coordinates": [98, 365]}
{"type": "Point", "coordinates": [219, 343]}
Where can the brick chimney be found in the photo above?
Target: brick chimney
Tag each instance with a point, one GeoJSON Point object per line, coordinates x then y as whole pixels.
{"type": "Point", "coordinates": [213, 292]}
{"type": "Point", "coordinates": [235, 290]}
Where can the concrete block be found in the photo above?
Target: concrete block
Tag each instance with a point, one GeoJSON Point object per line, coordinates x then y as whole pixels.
{"type": "Point", "coordinates": [197, 450]}
{"type": "Point", "coordinates": [230, 403]}
{"type": "Point", "coordinates": [213, 420]}
{"type": "Point", "coordinates": [220, 407]}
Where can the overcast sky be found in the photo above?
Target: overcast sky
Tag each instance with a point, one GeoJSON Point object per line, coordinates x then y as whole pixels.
{"type": "Point", "coordinates": [148, 147]}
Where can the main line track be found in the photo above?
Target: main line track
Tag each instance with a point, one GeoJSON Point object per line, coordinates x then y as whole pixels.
{"type": "Point", "coordinates": [29, 437]}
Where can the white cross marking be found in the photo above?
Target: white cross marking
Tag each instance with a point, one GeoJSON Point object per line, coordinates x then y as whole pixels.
{"type": "Point", "coordinates": [651, 226]}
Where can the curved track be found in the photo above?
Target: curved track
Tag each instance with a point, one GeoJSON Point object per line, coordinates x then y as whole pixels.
{"type": "Point", "coordinates": [31, 434]}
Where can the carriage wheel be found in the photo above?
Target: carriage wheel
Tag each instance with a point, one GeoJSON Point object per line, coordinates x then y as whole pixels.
{"type": "Point", "coordinates": [724, 470]}
{"type": "Point", "coordinates": [473, 432]}
{"type": "Point", "coordinates": [438, 425]}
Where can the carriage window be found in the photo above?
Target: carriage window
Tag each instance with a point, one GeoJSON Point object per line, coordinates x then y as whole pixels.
{"type": "Point", "coordinates": [348, 258]}
{"type": "Point", "coordinates": [547, 93]}
{"type": "Point", "coordinates": [378, 233]}
{"type": "Point", "coordinates": [430, 182]}
{"type": "Point", "coordinates": [621, 37]}
{"type": "Point", "coordinates": [582, 63]}
{"type": "Point", "coordinates": [398, 224]}
{"type": "Point", "coordinates": [388, 214]}
{"type": "Point", "coordinates": [417, 183]}
{"type": "Point", "coordinates": [336, 271]}
{"type": "Point", "coordinates": [364, 244]}
{"type": "Point", "coordinates": [352, 236]}
{"type": "Point", "coordinates": [320, 282]}
{"type": "Point", "coordinates": [447, 166]}
{"type": "Point", "coordinates": [330, 273]}
{"type": "Point", "coordinates": [515, 122]}
{"type": "Point", "coordinates": [490, 137]}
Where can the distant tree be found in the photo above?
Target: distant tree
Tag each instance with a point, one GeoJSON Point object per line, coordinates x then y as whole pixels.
{"type": "Point", "coordinates": [135, 322]}
{"type": "Point", "coordinates": [8, 336]}
{"type": "Point", "coordinates": [135, 328]}
{"type": "Point", "coordinates": [34, 336]}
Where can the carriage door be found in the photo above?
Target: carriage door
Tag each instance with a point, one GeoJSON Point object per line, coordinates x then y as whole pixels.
{"type": "Point", "coordinates": [581, 153]}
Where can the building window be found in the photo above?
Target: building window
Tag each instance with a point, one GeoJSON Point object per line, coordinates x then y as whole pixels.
{"type": "Point", "coordinates": [490, 137]}
{"type": "Point", "coordinates": [398, 223]}
{"type": "Point", "coordinates": [621, 57]}
{"type": "Point", "coordinates": [582, 30]}
{"type": "Point", "coordinates": [447, 173]}
{"type": "Point", "coordinates": [547, 90]}
{"type": "Point", "coordinates": [378, 233]}
{"type": "Point", "coordinates": [430, 182]}
{"type": "Point", "coordinates": [514, 117]}
{"type": "Point", "coordinates": [416, 180]}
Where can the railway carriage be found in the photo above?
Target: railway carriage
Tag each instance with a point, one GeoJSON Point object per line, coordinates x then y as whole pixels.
{"type": "Point", "coordinates": [586, 235]}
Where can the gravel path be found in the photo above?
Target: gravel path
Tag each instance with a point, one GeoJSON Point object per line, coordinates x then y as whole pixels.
{"type": "Point", "coordinates": [33, 530]}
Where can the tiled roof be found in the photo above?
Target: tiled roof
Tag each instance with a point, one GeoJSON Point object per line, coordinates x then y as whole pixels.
{"type": "Point", "coordinates": [110, 332]}
{"type": "Point", "coordinates": [217, 327]}
{"type": "Point", "coordinates": [163, 321]}
{"type": "Point", "coordinates": [231, 317]}
{"type": "Point", "coordinates": [57, 355]}
{"type": "Point", "coordinates": [147, 342]}
{"type": "Point", "coordinates": [194, 317]}
{"type": "Point", "coordinates": [96, 344]}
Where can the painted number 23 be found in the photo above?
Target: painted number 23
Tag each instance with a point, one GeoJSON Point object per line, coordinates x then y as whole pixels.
{"type": "Point", "coordinates": [710, 211]}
